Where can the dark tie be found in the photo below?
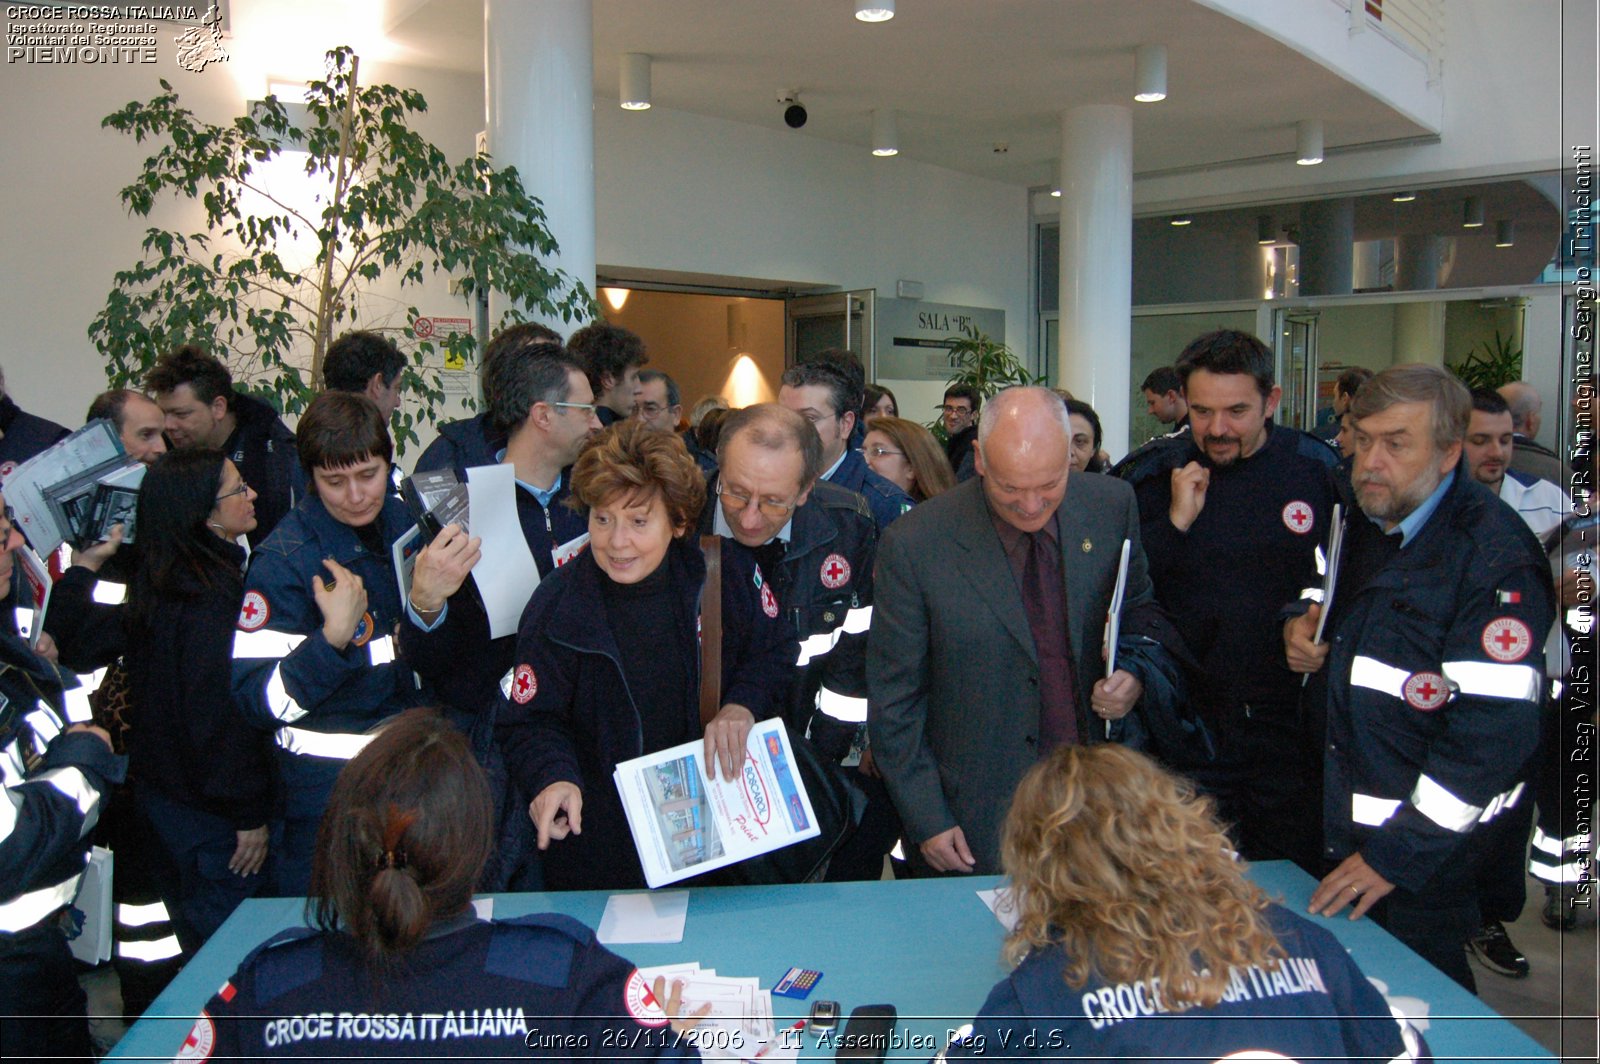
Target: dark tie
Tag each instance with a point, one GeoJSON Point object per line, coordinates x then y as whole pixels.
{"type": "Point", "coordinates": [1044, 597]}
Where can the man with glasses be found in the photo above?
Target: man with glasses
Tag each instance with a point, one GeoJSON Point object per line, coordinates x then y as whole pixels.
{"type": "Point", "coordinates": [827, 397]}
{"type": "Point", "coordinates": [960, 416]}
{"type": "Point", "coordinates": [659, 404]}
{"type": "Point", "coordinates": [543, 406]}
{"type": "Point", "coordinates": [473, 441]}
{"type": "Point", "coordinates": [816, 544]}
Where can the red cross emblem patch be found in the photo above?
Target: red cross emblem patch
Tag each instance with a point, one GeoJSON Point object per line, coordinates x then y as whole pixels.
{"type": "Point", "coordinates": [201, 1041]}
{"type": "Point", "coordinates": [1426, 691]}
{"type": "Point", "coordinates": [524, 685]}
{"type": "Point", "coordinates": [7, 469]}
{"type": "Point", "coordinates": [641, 1003]}
{"type": "Point", "coordinates": [1298, 517]}
{"type": "Point", "coordinates": [1507, 639]}
{"type": "Point", "coordinates": [253, 613]}
{"type": "Point", "coordinates": [835, 571]}
{"type": "Point", "coordinates": [769, 602]}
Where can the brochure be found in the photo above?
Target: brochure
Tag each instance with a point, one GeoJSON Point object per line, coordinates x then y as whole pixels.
{"type": "Point", "coordinates": [684, 824]}
{"type": "Point", "coordinates": [436, 498]}
{"type": "Point", "coordinates": [53, 493]}
{"type": "Point", "coordinates": [116, 502]}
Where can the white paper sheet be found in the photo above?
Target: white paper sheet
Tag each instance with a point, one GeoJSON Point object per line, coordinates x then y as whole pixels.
{"type": "Point", "coordinates": [506, 574]}
{"type": "Point", "coordinates": [630, 918]}
{"type": "Point", "coordinates": [484, 907]}
{"type": "Point", "coordinates": [1003, 906]}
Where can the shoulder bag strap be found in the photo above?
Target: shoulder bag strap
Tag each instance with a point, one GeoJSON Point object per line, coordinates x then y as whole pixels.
{"type": "Point", "coordinates": [711, 631]}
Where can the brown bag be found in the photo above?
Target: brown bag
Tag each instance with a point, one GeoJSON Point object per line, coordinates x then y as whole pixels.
{"type": "Point", "coordinates": [837, 803]}
{"type": "Point", "coordinates": [111, 705]}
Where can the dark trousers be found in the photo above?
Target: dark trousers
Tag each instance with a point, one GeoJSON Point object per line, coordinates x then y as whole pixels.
{"type": "Point", "coordinates": [42, 1007]}
{"type": "Point", "coordinates": [1436, 921]}
{"type": "Point", "coordinates": [1267, 785]}
{"type": "Point", "coordinates": [144, 874]}
{"type": "Point", "coordinates": [861, 857]}
{"type": "Point", "coordinates": [200, 845]}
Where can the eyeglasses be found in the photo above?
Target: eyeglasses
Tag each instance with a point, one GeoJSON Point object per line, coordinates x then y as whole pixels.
{"type": "Point", "coordinates": [240, 490]}
{"type": "Point", "coordinates": [649, 409]}
{"type": "Point", "coordinates": [879, 452]}
{"type": "Point", "coordinates": [587, 408]}
{"type": "Point", "coordinates": [948, 409]}
{"type": "Point", "coordinates": [768, 507]}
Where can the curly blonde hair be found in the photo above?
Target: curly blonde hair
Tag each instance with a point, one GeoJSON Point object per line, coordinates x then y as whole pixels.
{"type": "Point", "coordinates": [1121, 864]}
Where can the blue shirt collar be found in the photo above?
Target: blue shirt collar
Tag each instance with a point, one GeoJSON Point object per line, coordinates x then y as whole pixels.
{"type": "Point", "coordinates": [1414, 521]}
{"type": "Point", "coordinates": [544, 495]}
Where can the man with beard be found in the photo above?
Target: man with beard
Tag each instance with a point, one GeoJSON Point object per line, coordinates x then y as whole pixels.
{"type": "Point", "coordinates": [1231, 514]}
{"type": "Point", "coordinates": [1430, 670]}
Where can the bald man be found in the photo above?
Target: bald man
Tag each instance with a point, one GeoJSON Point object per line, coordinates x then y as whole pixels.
{"type": "Point", "coordinates": [1529, 457]}
{"type": "Point", "coordinates": [985, 650]}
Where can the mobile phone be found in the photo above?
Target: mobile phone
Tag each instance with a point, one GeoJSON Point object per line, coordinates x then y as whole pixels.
{"type": "Point", "coordinates": [866, 1033]}
{"type": "Point", "coordinates": [824, 1017]}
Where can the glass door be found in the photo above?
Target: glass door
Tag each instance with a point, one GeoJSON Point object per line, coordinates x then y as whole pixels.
{"type": "Point", "coordinates": [837, 319]}
{"type": "Point", "coordinates": [1297, 368]}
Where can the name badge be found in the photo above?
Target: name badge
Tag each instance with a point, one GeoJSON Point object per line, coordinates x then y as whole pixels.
{"type": "Point", "coordinates": [569, 550]}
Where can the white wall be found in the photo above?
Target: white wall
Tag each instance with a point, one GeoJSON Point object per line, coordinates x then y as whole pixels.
{"type": "Point", "coordinates": [1502, 115]}
{"type": "Point", "coordinates": [64, 232]}
{"type": "Point", "coordinates": [677, 191]}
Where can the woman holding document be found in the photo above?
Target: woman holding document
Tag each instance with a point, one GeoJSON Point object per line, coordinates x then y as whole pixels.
{"type": "Point", "coordinates": [608, 656]}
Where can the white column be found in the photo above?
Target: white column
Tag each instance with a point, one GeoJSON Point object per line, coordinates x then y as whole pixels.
{"type": "Point", "coordinates": [1097, 263]}
{"type": "Point", "coordinates": [539, 101]}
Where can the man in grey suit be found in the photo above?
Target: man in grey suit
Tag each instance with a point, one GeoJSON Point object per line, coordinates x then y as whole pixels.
{"type": "Point", "coordinates": [986, 646]}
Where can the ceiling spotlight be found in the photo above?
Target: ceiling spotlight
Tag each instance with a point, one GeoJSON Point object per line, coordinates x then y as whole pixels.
{"type": "Point", "coordinates": [1406, 196]}
{"type": "Point", "coordinates": [874, 10]}
{"type": "Point", "coordinates": [1308, 142]}
{"type": "Point", "coordinates": [885, 140]}
{"type": "Point", "coordinates": [1472, 213]}
{"type": "Point", "coordinates": [1505, 233]}
{"type": "Point", "coordinates": [1265, 234]}
{"type": "Point", "coordinates": [1150, 73]}
{"type": "Point", "coordinates": [794, 113]}
{"type": "Point", "coordinates": [635, 93]}
{"type": "Point", "coordinates": [1182, 219]}
{"type": "Point", "coordinates": [1056, 192]}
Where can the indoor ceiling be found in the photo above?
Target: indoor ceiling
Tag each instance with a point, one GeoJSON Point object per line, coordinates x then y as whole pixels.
{"type": "Point", "coordinates": [963, 76]}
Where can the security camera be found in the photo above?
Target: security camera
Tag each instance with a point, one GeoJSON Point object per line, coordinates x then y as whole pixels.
{"type": "Point", "coordinates": [794, 115]}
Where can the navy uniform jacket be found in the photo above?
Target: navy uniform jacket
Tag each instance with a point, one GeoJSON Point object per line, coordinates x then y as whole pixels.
{"type": "Point", "coordinates": [1315, 1006]}
{"type": "Point", "coordinates": [456, 657]}
{"type": "Point", "coordinates": [824, 585]}
{"type": "Point", "coordinates": [1432, 684]}
{"type": "Point", "coordinates": [54, 786]}
{"type": "Point", "coordinates": [883, 496]}
{"type": "Point", "coordinates": [319, 702]}
{"type": "Point", "coordinates": [23, 435]}
{"type": "Point", "coordinates": [569, 716]}
{"type": "Point", "coordinates": [536, 987]}
{"type": "Point", "coordinates": [262, 447]}
{"type": "Point", "coordinates": [461, 445]}
{"type": "Point", "coordinates": [1251, 550]}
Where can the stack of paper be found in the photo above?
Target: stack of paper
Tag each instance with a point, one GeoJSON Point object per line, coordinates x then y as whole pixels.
{"type": "Point", "coordinates": [739, 1025]}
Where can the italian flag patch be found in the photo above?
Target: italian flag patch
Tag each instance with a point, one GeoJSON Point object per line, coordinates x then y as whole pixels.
{"type": "Point", "coordinates": [1508, 598]}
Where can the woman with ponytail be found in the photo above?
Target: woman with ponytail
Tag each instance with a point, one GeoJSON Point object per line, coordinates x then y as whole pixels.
{"type": "Point", "coordinates": [397, 943]}
{"type": "Point", "coordinates": [1139, 936]}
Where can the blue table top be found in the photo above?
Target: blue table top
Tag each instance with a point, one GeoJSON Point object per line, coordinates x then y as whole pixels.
{"type": "Point", "coordinates": [929, 947]}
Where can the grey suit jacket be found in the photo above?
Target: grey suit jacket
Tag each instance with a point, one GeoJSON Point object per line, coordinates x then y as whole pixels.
{"type": "Point", "coordinates": [952, 670]}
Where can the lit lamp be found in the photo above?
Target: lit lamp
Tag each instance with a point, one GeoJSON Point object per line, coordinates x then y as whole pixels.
{"type": "Point", "coordinates": [1406, 196]}
{"type": "Point", "coordinates": [1264, 231]}
{"type": "Point", "coordinates": [1182, 219]}
{"type": "Point", "coordinates": [1505, 233]}
{"type": "Point", "coordinates": [874, 10]}
{"type": "Point", "coordinates": [885, 140]}
{"type": "Point", "coordinates": [1308, 142]}
{"type": "Point", "coordinates": [1472, 213]}
{"type": "Point", "coordinates": [1150, 73]}
{"type": "Point", "coordinates": [635, 92]}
